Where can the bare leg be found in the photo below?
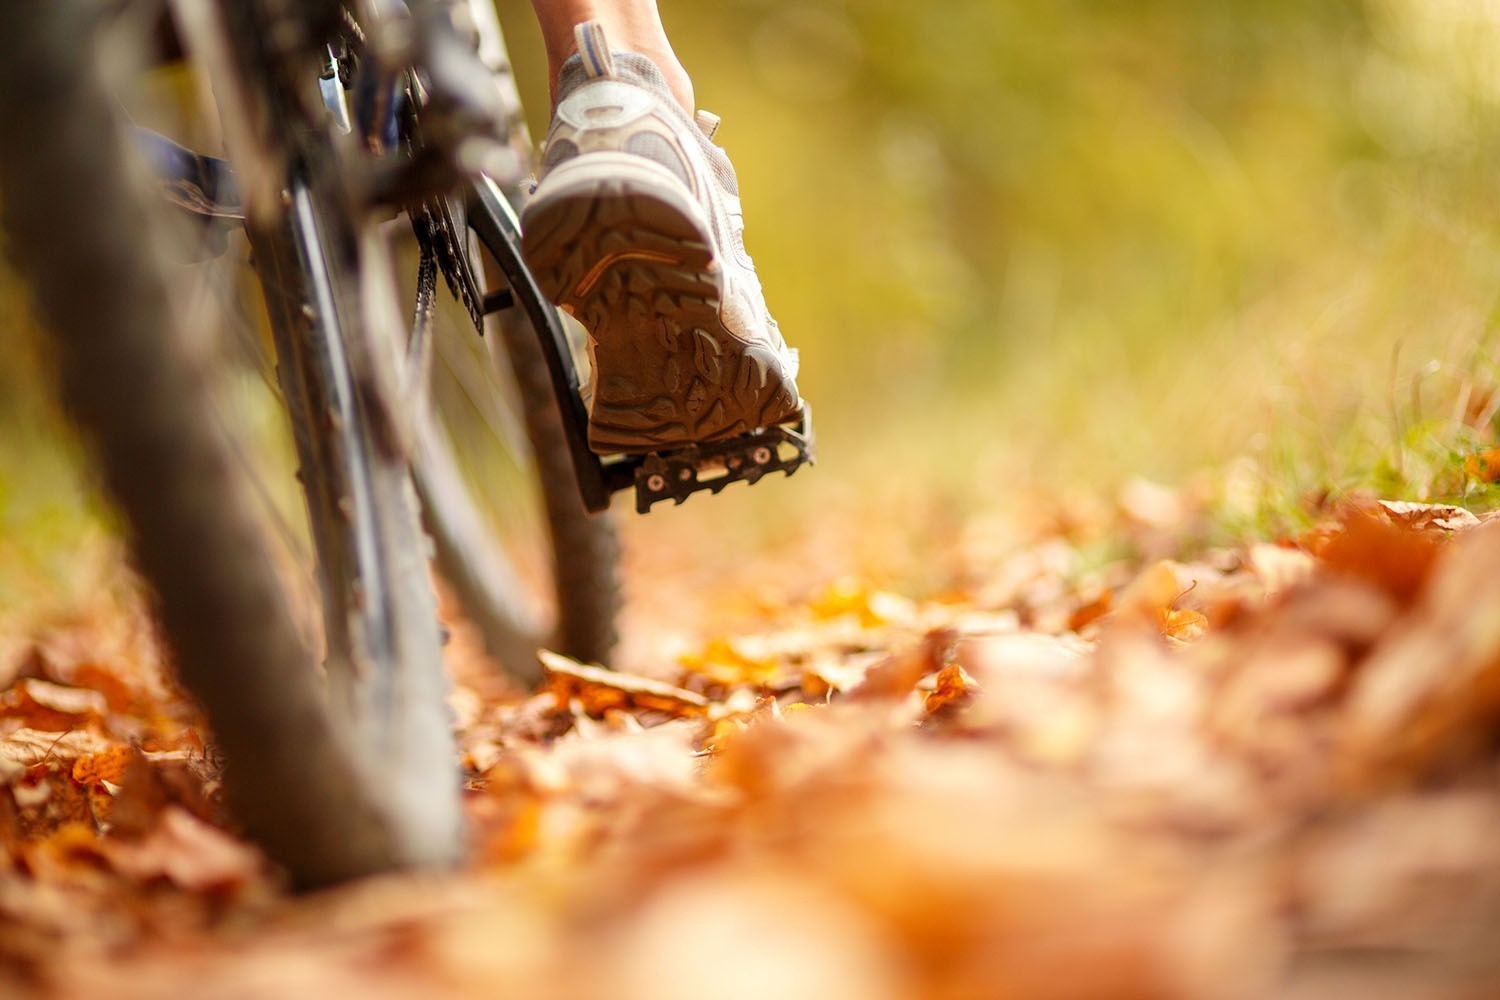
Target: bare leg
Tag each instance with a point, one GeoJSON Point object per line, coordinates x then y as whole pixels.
{"type": "Point", "coordinates": [631, 25]}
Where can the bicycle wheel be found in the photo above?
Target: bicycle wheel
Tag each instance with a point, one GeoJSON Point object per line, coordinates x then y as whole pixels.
{"type": "Point", "coordinates": [529, 565]}
{"type": "Point", "coordinates": [329, 294]}
{"type": "Point", "coordinates": [333, 787]}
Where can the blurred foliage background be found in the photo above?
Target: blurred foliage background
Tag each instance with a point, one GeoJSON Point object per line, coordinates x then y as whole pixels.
{"type": "Point", "coordinates": [1058, 243]}
{"type": "Point", "coordinates": [1095, 238]}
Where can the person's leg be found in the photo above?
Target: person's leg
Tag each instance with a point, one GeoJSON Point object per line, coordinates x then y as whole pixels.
{"type": "Point", "coordinates": [632, 25]}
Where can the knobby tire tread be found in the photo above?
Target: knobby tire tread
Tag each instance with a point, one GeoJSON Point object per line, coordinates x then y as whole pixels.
{"type": "Point", "coordinates": [132, 381]}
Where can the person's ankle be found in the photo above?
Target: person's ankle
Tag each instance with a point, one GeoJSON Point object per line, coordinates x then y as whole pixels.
{"type": "Point", "coordinates": [678, 81]}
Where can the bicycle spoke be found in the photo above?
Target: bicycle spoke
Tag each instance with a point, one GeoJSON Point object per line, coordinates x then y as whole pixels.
{"type": "Point", "coordinates": [216, 311]}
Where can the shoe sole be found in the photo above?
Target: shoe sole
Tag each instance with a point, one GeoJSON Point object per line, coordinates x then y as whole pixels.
{"type": "Point", "coordinates": [612, 242]}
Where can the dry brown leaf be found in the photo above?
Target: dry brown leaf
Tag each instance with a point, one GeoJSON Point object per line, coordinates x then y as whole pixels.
{"type": "Point", "coordinates": [152, 782]}
{"type": "Point", "coordinates": [119, 695]}
{"type": "Point", "coordinates": [1183, 624]}
{"type": "Point", "coordinates": [1393, 556]}
{"type": "Point", "coordinates": [991, 658]}
{"type": "Point", "coordinates": [953, 690]}
{"type": "Point", "coordinates": [598, 691]}
{"type": "Point", "coordinates": [727, 661]}
{"type": "Point", "coordinates": [1155, 588]}
{"type": "Point", "coordinates": [1346, 610]}
{"type": "Point", "coordinates": [605, 768]}
{"type": "Point", "coordinates": [1424, 516]}
{"type": "Point", "coordinates": [1410, 874]}
{"type": "Point", "coordinates": [871, 608]}
{"type": "Point", "coordinates": [736, 932]}
{"type": "Point", "coordinates": [1154, 595]}
{"type": "Point", "coordinates": [33, 746]}
{"type": "Point", "coordinates": [1429, 694]}
{"type": "Point", "coordinates": [1092, 611]}
{"type": "Point", "coordinates": [48, 799]}
{"type": "Point", "coordinates": [1279, 567]}
{"type": "Point", "coordinates": [108, 766]}
{"type": "Point", "coordinates": [188, 853]}
{"type": "Point", "coordinates": [830, 673]}
{"type": "Point", "coordinates": [896, 676]}
{"type": "Point", "coordinates": [39, 704]}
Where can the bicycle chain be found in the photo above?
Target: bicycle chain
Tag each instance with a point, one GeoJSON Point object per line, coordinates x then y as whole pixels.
{"type": "Point", "coordinates": [440, 233]}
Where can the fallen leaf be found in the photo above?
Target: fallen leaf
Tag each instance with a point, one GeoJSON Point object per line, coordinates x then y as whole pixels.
{"type": "Point", "coordinates": [188, 853]}
{"type": "Point", "coordinates": [32, 746]}
{"type": "Point", "coordinates": [108, 766]}
{"type": "Point", "coordinates": [871, 608]}
{"type": "Point", "coordinates": [1091, 612]}
{"type": "Point", "coordinates": [897, 675]}
{"type": "Point", "coordinates": [598, 691]}
{"type": "Point", "coordinates": [1483, 466]}
{"type": "Point", "coordinates": [1429, 694]}
{"type": "Point", "coordinates": [1279, 567]}
{"type": "Point", "coordinates": [1444, 517]}
{"type": "Point", "coordinates": [729, 662]}
{"type": "Point", "coordinates": [1183, 624]}
{"type": "Point", "coordinates": [43, 705]}
{"type": "Point", "coordinates": [952, 691]}
{"type": "Point", "coordinates": [1392, 555]}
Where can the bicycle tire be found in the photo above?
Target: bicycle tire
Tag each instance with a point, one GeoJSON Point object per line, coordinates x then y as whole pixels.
{"type": "Point", "coordinates": [387, 685]}
{"type": "Point", "coordinates": [583, 586]}
{"type": "Point", "coordinates": [139, 390]}
{"type": "Point", "coordinates": [383, 644]}
{"type": "Point", "coordinates": [585, 548]}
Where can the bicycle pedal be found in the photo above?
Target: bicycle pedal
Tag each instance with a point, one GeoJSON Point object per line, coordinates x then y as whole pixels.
{"type": "Point", "coordinates": [677, 474]}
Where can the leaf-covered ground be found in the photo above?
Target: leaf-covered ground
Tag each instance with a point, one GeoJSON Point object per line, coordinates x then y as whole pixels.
{"type": "Point", "coordinates": [1267, 770]}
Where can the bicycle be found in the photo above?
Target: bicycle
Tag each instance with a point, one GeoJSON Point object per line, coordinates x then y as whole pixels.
{"type": "Point", "coordinates": [337, 116]}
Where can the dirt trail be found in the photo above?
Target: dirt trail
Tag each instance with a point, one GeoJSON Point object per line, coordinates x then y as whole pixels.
{"type": "Point", "coordinates": [1267, 771]}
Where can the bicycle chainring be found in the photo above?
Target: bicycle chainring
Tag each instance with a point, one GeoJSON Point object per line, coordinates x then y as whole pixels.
{"type": "Point", "coordinates": [441, 229]}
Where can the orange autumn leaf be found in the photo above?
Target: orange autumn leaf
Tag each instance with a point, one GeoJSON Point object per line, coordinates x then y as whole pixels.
{"type": "Point", "coordinates": [896, 675]}
{"type": "Point", "coordinates": [953, 689]}
{"type": "Point", "coordinates": [188, 853]}
{"type": "Point", "coordinates": [1092, 611]}
{"type": "Point", "coordinates": [727, 662]}
{"type": "Point", "coordinates": [722, 731]}
{"type": "Point", "coordinates": [1182, 623]}
{"type": "Point", "coordinates": [598, 691]}
{"type": "Point", "coordinates": [1390, 554]}
{"type": "Point", "coordinates": [110, 766]}
{"type": "Point", "coordinates": [118, 695]}
{"type": "Point", "coordinates": [1153, 598]}
{"type": "Point", "coordinates": [50, 707]}
{"type": "Point", "coordinates": [871, 608]}
{"type": "Point", "coordinates": [1483, 466]}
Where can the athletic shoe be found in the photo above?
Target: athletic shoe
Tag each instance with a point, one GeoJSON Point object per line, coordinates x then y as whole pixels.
{"type": "Point", "coordinates": [635, 229]}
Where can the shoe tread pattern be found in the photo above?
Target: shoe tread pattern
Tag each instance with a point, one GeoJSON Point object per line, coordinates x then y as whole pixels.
{"type": "Point", "coordinates": [641, 278]}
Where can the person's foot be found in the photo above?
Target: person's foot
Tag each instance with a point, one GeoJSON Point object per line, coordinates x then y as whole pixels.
{"type": "Point", "coordinates": [635, 229]}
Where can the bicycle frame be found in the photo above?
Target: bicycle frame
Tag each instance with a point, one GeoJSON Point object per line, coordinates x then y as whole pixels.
{"type": "Point", "coordinates": [489, 200]}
